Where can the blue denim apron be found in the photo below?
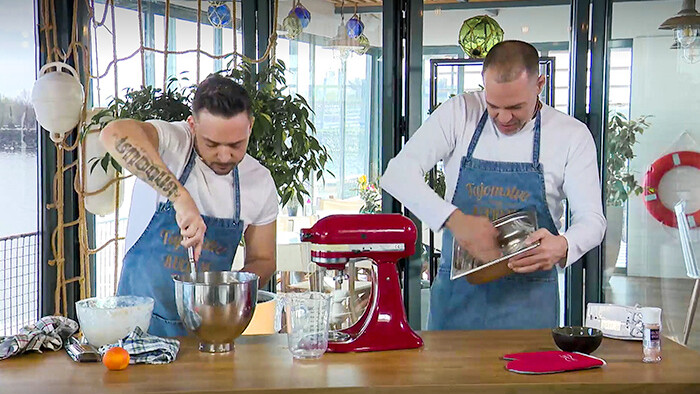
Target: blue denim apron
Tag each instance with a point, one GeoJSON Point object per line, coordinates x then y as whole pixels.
{"type": "Point", "coordinates": [157, 255]}
{"type": "Point", "coordinates": [517, 301]}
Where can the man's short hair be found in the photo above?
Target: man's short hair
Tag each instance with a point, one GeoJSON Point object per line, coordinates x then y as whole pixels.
{"type": "Point", "coordinates": [221, 96]}
{"type": "Point", "coordinates": [510, 58]}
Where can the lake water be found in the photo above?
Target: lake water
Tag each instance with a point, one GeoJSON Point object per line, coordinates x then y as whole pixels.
{"type": "Point", "coordinates": [18, 193]}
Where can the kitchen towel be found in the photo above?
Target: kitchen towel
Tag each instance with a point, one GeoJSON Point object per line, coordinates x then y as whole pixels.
{"type": "Point", "coordinates": [48, 333]}
{"type": "Point", "coordinates": [550, 362]}
{"type": "Point", "coordinates": [145, 348]}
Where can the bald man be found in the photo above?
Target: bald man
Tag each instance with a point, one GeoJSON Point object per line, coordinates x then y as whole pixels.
{"type": "Point", "coordinates": [505, 139]}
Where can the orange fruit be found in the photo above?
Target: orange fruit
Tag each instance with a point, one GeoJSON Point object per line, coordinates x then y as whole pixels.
{"type": "Point", "coordinates": [116, 359]}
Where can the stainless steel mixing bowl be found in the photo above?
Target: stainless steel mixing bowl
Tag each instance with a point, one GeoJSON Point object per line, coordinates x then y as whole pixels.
{"type": "Point", "coordinates": [513, 230]}
{"type": "Point", "coordinates": [218, 308]}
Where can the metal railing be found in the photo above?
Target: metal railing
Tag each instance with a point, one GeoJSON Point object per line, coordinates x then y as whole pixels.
{"type": "Point", "coordinates": [19, 274]}
{"type": "Point", "coordinates": [19, 282]}
{"type": "Point", "coordinates": [106, 274]}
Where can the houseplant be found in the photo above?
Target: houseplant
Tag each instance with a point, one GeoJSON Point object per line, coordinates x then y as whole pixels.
{"type": "Point", "coordinates": [620, 136]}
{"type": "Point", "coordinates": [282, 138]}
{"type": "Point", "coordinates": [439, 185]}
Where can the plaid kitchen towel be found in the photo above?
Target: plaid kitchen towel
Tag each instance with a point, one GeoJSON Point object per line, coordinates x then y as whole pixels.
{"type": "Point", "coordinates": [49, 332]}
{"type": "Point", "coordinates": [145, 348]}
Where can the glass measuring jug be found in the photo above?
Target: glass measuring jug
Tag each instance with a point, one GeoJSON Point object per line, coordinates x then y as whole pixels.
{"type": "Point", "coordinates": [307, 318]}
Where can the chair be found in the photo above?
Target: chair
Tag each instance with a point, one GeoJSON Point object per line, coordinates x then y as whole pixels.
{"type": "Point", "coordinates": [330, 206]}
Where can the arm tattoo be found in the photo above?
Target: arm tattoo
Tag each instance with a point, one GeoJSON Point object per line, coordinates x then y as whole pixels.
{"type": "Point", "coordinates": [142, 166]}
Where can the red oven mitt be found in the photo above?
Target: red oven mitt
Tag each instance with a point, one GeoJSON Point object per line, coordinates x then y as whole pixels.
{"type": "Point", "coordinates": [550, 362]}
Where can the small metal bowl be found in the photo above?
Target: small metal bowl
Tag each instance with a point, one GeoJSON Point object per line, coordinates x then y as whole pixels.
{"type": "Point", "coordinates": [577, 339]}
{"type": "Point", "coordinates": [513, 230]}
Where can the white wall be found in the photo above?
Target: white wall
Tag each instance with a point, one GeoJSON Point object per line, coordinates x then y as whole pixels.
{"type": "Point", "coordinates": [544, 24]}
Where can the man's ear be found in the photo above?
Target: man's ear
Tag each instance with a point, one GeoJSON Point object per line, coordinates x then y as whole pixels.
{"type": "Point", "coordinates": [190, 122]}
{"type": "Point", "coordinates": [252, 122]}
{"type": "Point", "coordinates": [540, 83]}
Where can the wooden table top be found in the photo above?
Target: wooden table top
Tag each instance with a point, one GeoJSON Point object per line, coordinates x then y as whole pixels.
{"type": "Point", "coordinates": [464, 361]}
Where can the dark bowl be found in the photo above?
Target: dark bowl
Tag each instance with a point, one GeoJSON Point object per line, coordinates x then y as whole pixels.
{"type": "Point", "coordinates": [577, 339]}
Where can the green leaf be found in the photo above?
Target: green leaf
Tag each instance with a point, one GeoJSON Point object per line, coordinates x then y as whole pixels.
{"type": "Point", "coordinates": [95, 162]}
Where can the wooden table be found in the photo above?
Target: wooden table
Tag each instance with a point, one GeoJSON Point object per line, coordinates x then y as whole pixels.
{"type": "Point", "coordinates": [450, 361]}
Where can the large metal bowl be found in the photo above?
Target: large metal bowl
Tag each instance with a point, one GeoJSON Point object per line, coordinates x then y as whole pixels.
{"type": "Point", "coordinates": [218, 308]}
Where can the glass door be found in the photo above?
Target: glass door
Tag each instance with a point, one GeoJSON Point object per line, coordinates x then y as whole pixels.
{"type": "Point", "coordinates": [19, 259]}
{"type": "Point", "coordinates": [653, 101]}
{"type": "Point", "coordinates": [545, 27]}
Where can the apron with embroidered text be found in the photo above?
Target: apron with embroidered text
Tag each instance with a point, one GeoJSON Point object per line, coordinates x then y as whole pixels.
{"type": "Point", "coordinates": [157, 255]}
{"type": "Point", "coordinates": [517, 301]}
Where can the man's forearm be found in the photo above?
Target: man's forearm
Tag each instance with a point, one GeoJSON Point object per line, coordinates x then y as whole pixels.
{"type": "Point", "coordinates": [138, 155]}
{"type": "Point", "coordinates": [264, 268]}
{"type": "Point", "coordinates": [146, 168]}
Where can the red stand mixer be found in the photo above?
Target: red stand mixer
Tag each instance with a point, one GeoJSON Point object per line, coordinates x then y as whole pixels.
{"type": "Point", "coordinates": [338, 240]}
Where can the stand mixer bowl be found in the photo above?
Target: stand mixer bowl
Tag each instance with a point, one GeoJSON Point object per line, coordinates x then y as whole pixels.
{"type": "Point", "coordinates": [217, 308]}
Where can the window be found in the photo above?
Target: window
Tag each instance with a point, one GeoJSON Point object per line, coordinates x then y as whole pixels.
{"type": "Point", "coordinates": [182, 36]}
{"type": "Point", "coordinates": [340, 93]}
{"type": "Point", "coordinates": [19, 238]}
{"type": "Point", "coordinates": [620, 77]}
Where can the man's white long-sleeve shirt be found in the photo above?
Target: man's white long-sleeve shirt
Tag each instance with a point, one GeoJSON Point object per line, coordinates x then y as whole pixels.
{"type": "Point", "coordinates": [567, 154]}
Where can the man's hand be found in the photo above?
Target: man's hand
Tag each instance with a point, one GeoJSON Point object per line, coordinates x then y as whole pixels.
{"type": "Point", "coordinates": [476, 234]}
{"type": "Point", "coordinates": [552, 249]}
{"type": "Point", "coordinates": [191, 223]}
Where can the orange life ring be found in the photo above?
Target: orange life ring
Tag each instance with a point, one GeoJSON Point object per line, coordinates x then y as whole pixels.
{"type": "Point", "coordinates": [652, 178]}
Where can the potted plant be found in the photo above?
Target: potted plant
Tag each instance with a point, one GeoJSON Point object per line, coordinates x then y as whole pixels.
{"type": "Point", "coordinates": [439, 186]}
{"type": "Point", "coordinates": [282, 138]}
{"type": "Point", "coordinates": [620, 137]}
{"type": "Point", "coordinates": [283, 135]}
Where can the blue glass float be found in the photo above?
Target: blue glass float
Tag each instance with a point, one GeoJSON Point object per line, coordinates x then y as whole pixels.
{"type": "Point", "coordinates": [303, 14]}
{"type": "Point", "coordinates": [355, 26]}
{"type": "Point", "coordinates": [219, 14]}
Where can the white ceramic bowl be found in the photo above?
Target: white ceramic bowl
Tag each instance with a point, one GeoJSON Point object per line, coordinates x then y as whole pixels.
{"type": "Point", "coordinates": [109, 319]}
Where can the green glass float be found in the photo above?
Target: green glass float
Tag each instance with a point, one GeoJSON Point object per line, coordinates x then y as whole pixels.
{"type": "Point", "coordinates": [292, 25]}
{"type": "Point", "coordinates": [478, 35]}
{"type": "Point", "coordinates": [363, 42]}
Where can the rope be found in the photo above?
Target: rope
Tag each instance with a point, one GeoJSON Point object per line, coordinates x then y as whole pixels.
{"type": "Point", "coordinates": [199, 35]}
{"type": "Point", "coordinates": [114, 50]}
{"type": "Point", "coordinates": [143, 55]}
{"type": "Point", "coordinates": [91, 10]}
{"type": "Point", "coordinates": [234, 29]}
{"type": "Point", "coordinates": [166, 47]}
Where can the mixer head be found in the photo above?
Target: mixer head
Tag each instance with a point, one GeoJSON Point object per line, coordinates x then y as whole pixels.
{"type": "Point", "coordinates": [337, 239]}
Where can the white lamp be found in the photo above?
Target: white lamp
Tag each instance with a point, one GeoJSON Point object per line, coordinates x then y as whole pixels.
{"type": "Point", "coordinates": [57, 98]}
